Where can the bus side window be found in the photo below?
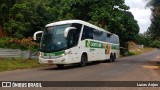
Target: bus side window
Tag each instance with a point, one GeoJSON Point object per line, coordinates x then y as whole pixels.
{"type": "Point", "coordinates": [87, 33]}
{"type": "Point", "coordinates": [103, 36]}
{"type": "Point", "coordinates": [117, 40]}
{"type": "Point", "coordinates": [112, 39]}
{"type": "Point", "coordinates": [107, 39]}
{"type": "Point", "coordinates": [98, 35]}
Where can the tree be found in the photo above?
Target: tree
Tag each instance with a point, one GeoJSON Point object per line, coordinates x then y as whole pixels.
{"type": "Point", "coordinates": [143, 39]}
{"type": "Point", "coordinates": [5, 6]}
{"type": "Point", "coordinates": [153, 3]}
{"type": "Point", "coordinates": [27, 16]}
{"type": "Point", "coordinates": [110, 15]}
{"type": "Point", "coordinates": [156, 44]}
{"type": "Point", "coordinates": [154, 28]}
{"type": "Point", "coordinates": [23, 17]}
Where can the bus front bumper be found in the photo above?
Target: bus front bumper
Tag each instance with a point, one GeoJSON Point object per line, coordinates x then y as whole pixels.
{"type": "Point", "coordinates": [61, 60]}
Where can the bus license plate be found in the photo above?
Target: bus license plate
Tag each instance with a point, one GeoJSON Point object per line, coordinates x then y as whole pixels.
{"type": "Point", "coordinates": [50, 61]}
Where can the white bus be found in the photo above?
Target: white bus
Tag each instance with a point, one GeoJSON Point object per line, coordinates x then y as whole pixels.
{"type": "Point", "coordinates": [76, 41]}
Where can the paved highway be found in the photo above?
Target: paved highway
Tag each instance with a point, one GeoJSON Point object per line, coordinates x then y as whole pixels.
{"type": "Point", "coordinates": [133, 68]}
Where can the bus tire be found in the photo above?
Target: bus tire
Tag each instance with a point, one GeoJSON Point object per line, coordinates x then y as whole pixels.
{"type": "Point", "coordinates": [83, 60]}
{"type": "Point", "coordinates": [114, 57]}
{"type": "Point", "coordinates": [60, 66]}
{"type": "Point", "coordinates": [111, 58]}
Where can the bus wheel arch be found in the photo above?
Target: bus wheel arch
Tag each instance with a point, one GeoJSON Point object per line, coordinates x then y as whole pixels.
{"type": "Point", "coordinates": [84, 59]}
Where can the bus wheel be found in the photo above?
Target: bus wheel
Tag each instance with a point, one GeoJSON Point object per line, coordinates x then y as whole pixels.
{"type": "Point", "coordinates": [111, 58]}
{"type": "Point", "coordinates": [83, 60]}
{"type": "Point", "coordinates": [114, 57]}
{"type": "Point", "coordinates": [60, 66]}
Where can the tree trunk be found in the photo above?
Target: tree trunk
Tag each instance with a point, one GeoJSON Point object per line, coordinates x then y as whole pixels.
{"type": "Point", "coordinates": [1, 31]}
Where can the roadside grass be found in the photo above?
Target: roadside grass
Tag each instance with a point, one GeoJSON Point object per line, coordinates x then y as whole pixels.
{"type": "Point", "coordinates": [140, 51]}
{"type": "Point", "coordinates": [14, 64]}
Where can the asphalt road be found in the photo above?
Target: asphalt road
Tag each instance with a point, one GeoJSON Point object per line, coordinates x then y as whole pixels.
{"type": "Point", "coordinates": [133, 68]}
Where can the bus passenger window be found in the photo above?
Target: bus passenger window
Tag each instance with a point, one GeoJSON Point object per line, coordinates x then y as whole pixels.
{"type": "Point", "coordinates": [87, 33]}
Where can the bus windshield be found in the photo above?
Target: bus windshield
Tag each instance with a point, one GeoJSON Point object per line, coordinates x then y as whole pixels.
{"type": "Point", "coordinates": [53, 38]}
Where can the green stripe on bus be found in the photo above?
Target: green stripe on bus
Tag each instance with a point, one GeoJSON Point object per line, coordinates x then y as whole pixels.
{"type": "Point", "coordinates": [94, 44]}
{"type": "Point", "coordinates": [107, 46]}
{"type": "Point", "coordinates": [54, 53]}
{"type": "Point", "coordinates": [105, 51]}
{"type": "Point", "coordinates": [87, 43]}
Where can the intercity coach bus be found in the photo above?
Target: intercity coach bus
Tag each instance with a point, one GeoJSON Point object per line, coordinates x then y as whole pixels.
{"type": "Point", "coordinates": [76, 41]}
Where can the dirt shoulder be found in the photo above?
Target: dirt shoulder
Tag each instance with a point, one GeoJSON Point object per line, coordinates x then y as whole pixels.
{"type": "Point", "coordinates": [158, 64]}
{"type": "Point", "coordinates": [140, 51]}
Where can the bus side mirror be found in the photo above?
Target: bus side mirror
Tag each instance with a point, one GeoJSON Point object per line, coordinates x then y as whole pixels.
{"type": "Point", "coordinates": [35, 36]}
{"type": "Point", "coordinates": [67, 30]}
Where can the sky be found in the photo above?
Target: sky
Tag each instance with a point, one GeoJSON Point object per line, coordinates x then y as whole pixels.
{"type": "Point", "coordinates": [141, 14]}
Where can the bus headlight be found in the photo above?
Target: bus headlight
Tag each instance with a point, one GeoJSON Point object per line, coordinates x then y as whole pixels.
{"type": "Point", "coordinates": [68, 52]}
{"type": "Point", "coordinates": [40, 54]}
{"type": "Point", "coordinates": [63, 55]}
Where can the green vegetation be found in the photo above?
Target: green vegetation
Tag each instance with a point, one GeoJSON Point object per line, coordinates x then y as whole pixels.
{"type": "Point", "coordinates": [151, 38]}
{"type": "Point", "coordinates": [154, 29]}
{"type": "Point", "coordinates": [14, 64]}
{"type": "Point", "coordinates": [156, 44]}
{"type": "Point", "coordinates": [143, 39]}
{"type": "Point", "coordinates": [147, 41]}
{"type": "Point", "coordinates": [15, 43]}
{"type": "Point", "coordinates": [21, 18]}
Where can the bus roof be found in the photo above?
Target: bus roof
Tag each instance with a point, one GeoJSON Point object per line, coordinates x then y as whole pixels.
{"type": "Point", "coordinates": [75, 21]}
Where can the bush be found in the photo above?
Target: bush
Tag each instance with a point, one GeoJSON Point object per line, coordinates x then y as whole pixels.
{"type": "Point", "coordinates": [15, 43]}
{"type": "Point", "coordinates": [156, 44]}
{"type": "Point", "coordinates": [4, 42]}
